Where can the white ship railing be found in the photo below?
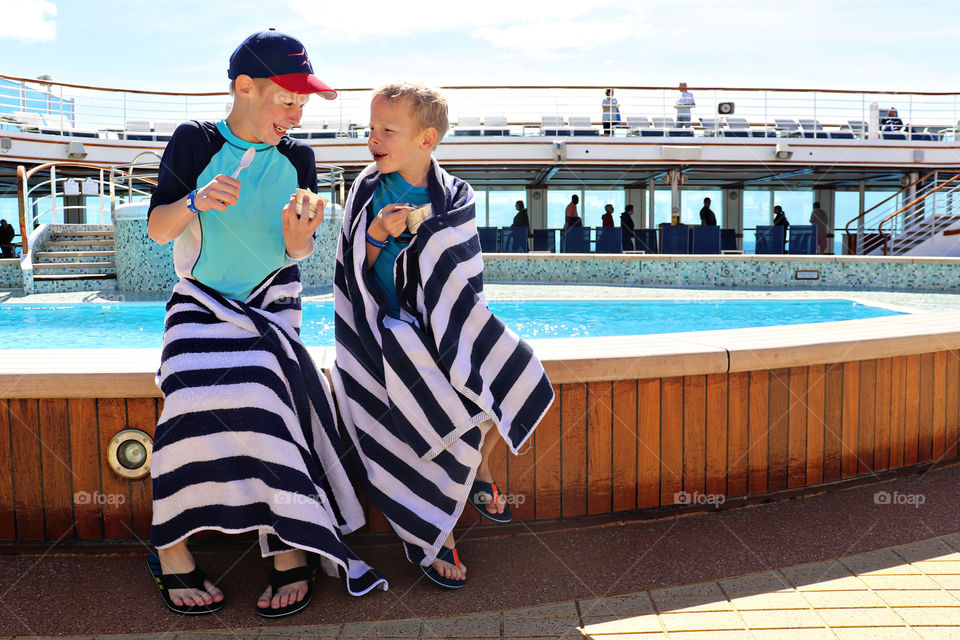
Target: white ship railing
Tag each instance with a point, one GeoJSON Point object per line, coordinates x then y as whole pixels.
{"type": "Point", "coordinates": [82, 110]}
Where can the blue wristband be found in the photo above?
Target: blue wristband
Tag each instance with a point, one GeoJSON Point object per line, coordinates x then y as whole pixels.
{"type": "Point", "coordinates": [190, 205]}
{"type": "Point", "coordinates": [377, 243]}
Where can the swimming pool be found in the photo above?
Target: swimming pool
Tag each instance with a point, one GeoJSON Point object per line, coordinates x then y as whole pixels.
{"type": "Point", "coordinates": [140, 324]}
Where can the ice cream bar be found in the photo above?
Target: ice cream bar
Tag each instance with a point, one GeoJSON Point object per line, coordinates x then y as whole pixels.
{"type": "Point", "coordinates": [314, 199]}
{"type": "Point", "coordinates": [416, 217]}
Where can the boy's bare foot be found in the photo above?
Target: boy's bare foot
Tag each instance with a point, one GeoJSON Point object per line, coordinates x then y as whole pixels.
{"type": "Point", "coordinates": [447, 570]}
{"type": "Point", "coordinates": [494, 507]}
{"type": "Point", "coordinates": [178, 559]}
{"type": "Point", "coordinates": [290, 593]}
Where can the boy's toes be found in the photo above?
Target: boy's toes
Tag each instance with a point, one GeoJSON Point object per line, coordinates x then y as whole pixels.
{"type": "Point", "coordinates": [264, 600]}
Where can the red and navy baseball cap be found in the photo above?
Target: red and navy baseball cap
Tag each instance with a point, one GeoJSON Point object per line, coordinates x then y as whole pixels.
{"type": "Point", "coordinates": [281, 58]}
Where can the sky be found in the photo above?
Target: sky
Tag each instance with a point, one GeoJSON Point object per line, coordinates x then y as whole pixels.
{"type": "Point", "coordinates": [180, 45]}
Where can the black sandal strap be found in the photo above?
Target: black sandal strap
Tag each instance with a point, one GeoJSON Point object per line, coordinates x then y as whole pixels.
{"type": "Point", "coordinates": [192, 580]}
{"type": "Point", "coordinates": [282, 578]}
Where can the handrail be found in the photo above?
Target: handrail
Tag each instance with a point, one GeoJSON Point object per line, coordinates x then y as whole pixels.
{"type": "Point", "coordinates": [22, 205]}
{"type": "Point", "coordinates": [885, 200]}
{"type": "Point", "coordinates": [483, 87]}
{"type": "Point", "coordinates": [905, 207]}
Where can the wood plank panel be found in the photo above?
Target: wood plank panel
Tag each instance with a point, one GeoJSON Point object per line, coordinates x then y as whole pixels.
{"type": "Point", "coordinates": [671, 440]}
{"type": "Point", "coordinates": [599, 447]}
{"type": "Point", "coordinates": [114, 490]}
{"type": "Point", "coordinates": [815, 423]}
{"type": "Point", "coordinates": [953, 403]}
{"type": "Point", "coordinates": [648, 443]}
{"type": "Point", "coordinates": [521, 472]}
{"type": "Point", "coordinates": [911, 430]}
{"type": "Point", "coordinates": [8, 528]}
{"type": "Point", "coordinates": [738, 439]}
{"type": "Point", "coordinates": [142, 415]}
{"type": "Point", "coordinates": [850, 422]}
{"type": "Point", "coordinates": [57, 472]}
{"type": "Point", "coordinates": [881, 454]}
{"type": "Point", "coordinates": [694, 435]}
{"type": "Point", "coordinates": [898, 399]}
{"type": "Point", "coordinates": [759, 430]}
{"type": "Point", "coordinates": [717, 440]}
{"type": "Point", "coordinates": [28, 476]}
{"type": "Point", "coordinates": [85, 452]}
{"type": "Point", "coordinates": [779, 417]}
{"type": "Point", "coordinates": [925, 433]}
{"type": "Point", "coordinates": [797, 427]}
{"type": "Point", "coordinates": [867, 422]}
{"type": "Point", "coordinates": [549, 476]}
{"type": "Point", "coordinates": [833, 422]}
{"type": "Point", "coordinates": [574, 438]}
{"type": "Point", "coordinates": [625, 445]}
{"type": "Point", "coordinates": [939, 405]}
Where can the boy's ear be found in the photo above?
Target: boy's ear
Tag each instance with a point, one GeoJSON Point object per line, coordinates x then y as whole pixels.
{"type": "Point", "coordinates": [243, 85]}
{"type": "Point", "coordinates": [430, 137]}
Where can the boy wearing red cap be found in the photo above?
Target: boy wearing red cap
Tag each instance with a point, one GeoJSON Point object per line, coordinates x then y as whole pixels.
{"type": "Point", "coordinates": [247, 439]}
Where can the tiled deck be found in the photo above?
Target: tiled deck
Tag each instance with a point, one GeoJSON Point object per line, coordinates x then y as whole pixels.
{"type": "Point", "coordinates": [850, 564]}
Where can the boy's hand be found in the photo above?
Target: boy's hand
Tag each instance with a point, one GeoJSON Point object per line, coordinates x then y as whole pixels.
{"type": "Point", "coordinates": [220, 193]}
{"type": "Point", "coordinates": [298, 229]}
{"type": "Point", "coordinates": [391, 221]}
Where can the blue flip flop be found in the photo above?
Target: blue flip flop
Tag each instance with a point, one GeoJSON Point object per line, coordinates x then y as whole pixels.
{"type": "Point", "coordinates": [192, 580]}
{"type": "Point", "coordinates": [486, 493]}
{"type": "Point", "coordinates": [447, 555]}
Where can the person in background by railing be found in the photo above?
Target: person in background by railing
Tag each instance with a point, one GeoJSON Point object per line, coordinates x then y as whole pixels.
{"type": "Point", "coordinates": [818, 218]}
{"type": "Point", "coordinates": [707, 217]}
{"type": "Point", "coordinates": [780, 218]}
{"type": "Point", "coordinates": [7, 232]}
{"type": "Point", "coordinates": [684, 105]}
{"type": "Point", "coordinates": [572, 218]}
{"type": "Point", "coordinates": [521, 219]}
{"type": "Point", "coordinates": [607, 216]}
{"type": "Point", "coordinates": [626, 228]}
{"type": "Point", "coordinates": [611, 112]}
{"type": "Point", "coordinates": [892, 121]}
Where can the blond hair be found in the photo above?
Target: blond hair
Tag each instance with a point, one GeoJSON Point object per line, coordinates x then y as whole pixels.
{"type": "Point", "coordinates": [428, 105]}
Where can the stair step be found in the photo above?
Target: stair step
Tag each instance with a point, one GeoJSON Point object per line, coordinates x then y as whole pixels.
{"type": "Point", "coordinates": [74, 265]}
{"type": "Point", "coordinates": [102, 232]}
{"type": "Point", "coordinates": [75, 276]}
{"type": "Point", "coordinates": [77, 243]}
{"type": "Point", "coordinates": [39, 255]}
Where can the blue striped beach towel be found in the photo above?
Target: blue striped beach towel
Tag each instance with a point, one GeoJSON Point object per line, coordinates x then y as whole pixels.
{"type": "Point", "coordinates": [417, 392]}
{"type": "Point", "coordinates": [247, 439]}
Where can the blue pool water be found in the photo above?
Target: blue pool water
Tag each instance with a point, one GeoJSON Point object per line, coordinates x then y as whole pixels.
{"type": "Point", "coordinates": [140, 324]}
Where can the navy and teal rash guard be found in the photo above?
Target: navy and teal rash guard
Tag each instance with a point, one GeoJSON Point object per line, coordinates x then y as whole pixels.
{"type": "Point", "coordinates": [232, 251]}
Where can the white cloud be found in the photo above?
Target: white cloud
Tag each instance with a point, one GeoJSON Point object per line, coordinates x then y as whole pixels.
{"type": "Point", "coordinates": [546, 39]}
{"type": "Point", "coordinates": [28, 20]}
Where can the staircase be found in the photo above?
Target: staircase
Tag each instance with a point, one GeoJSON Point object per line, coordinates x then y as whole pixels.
{"type": "Point", "coordinates": [75, 258]}
{"type": "Point", "coordinates": [913, 220]}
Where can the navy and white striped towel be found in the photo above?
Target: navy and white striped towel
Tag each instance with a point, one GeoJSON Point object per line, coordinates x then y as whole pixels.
{"type": "Point", "coordinates": [247, 439]}
{"type": "Point", "coordinates": [413, 391]}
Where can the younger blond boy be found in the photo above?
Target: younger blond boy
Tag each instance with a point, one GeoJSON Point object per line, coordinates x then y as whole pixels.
{"type": "Point", "coordinates": [426, 377]}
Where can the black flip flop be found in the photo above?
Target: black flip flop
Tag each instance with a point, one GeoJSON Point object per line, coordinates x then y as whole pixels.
{"type": "Point", "coordinates": [478, 491]}
{"type": "Point", "coordinates": [192, 580]}
{"type": "Point", "coordinates": [282, 578]}
{"type": "Point", "coordinates": [447, 555]}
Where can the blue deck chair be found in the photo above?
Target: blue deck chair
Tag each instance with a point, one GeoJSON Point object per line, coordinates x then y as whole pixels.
{"type": "Point", "coordinates": [674, 238]}
{"type": "Point", "coordinates": [609, 240]}
{"type": "Point", "coordinates": [576, 240]}
{"type": "Point", "coordinates": [513, 240]}
{"type": "Point", "coordinates": [705, 239]}
{"type": "Point", "coordinates": [769, 239]}
{"type": "Point", "coordinates": [545, 240]}
{"type": "Point", "coordinates": [488, 239]}
{"type": "Point", "coordinates": [728, 240]}
{"type": "Point", "coordinates": [645, 240]}
{"type": "Point", "coordinates": [803, 239]}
